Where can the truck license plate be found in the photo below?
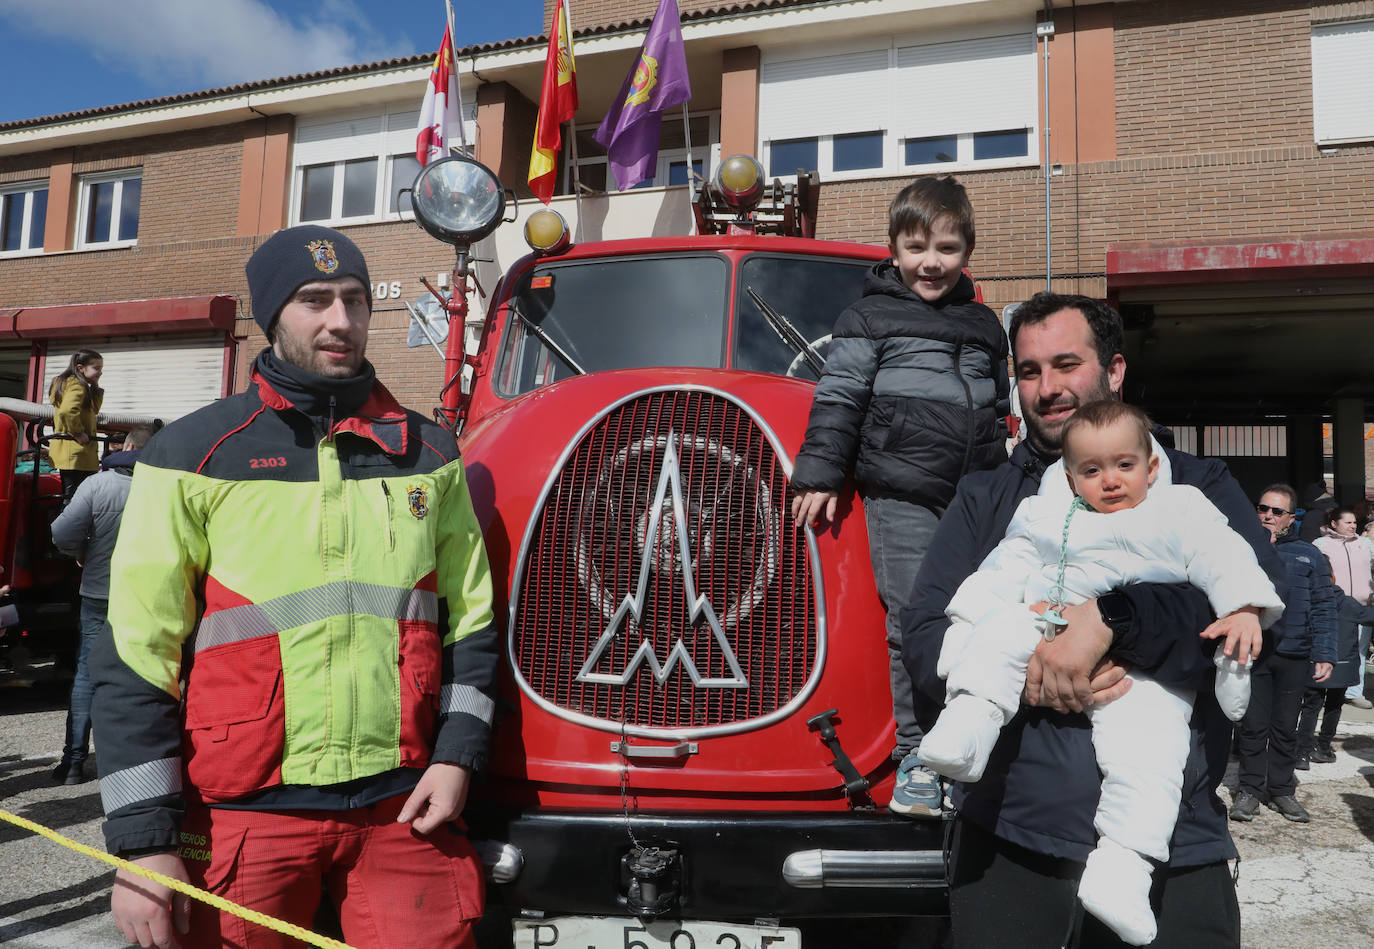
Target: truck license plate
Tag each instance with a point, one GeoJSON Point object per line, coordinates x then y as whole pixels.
{"type": "Point", "coordinates": [603, 932]}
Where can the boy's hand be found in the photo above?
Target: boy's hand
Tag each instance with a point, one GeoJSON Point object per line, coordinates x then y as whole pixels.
{"type": "Point", "coordinates": [807, 507]}
{"type": "Point", "coordinates": [1242, 632]}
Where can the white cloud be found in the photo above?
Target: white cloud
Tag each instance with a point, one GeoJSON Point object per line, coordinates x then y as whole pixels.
{"type": "Point", "coordinates": [205, 43]}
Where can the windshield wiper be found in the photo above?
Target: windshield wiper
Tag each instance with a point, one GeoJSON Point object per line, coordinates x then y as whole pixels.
{"type": "Point", "coordinates": [787, 332]}
{"type": "Point", "coordinates": [546, 339]}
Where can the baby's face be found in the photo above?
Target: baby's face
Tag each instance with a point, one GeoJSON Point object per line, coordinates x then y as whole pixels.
{"type": "Point", "coordinates": [1108, 467]}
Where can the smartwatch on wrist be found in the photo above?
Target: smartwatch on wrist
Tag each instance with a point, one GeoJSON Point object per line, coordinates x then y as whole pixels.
{"type": "Point", "coordinates": [1116, 613]}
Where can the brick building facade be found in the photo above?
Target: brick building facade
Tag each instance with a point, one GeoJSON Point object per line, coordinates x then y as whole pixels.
{"type": "Point", "coordinates": [1176, 130]}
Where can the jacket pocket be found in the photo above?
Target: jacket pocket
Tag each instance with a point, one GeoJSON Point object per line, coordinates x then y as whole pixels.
{"type": "Point", "coordinates": [235, 719]}
{"type": "Point", "coordinates": [419, 667]}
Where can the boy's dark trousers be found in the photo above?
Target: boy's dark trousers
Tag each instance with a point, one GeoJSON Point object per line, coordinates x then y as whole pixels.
{"type": "Point", "coordinates": [1269, 731]}
{"type": "Point", "coordinates": [1326, 701]}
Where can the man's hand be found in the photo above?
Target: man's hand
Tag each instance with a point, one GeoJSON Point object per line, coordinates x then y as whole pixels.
{"type": "Point", "coordinates": [1322, 671]}
{"type": "Point", "coordinates": [149, 913]}
{"type": "Point", "coordinates": [438, 798]}
{"type": "Point", "coordinates": [1061, 673]}
{"type": "Point", "coordinates": [806, 508]}
{"type": "Point", "coordinates": [1242, 632]}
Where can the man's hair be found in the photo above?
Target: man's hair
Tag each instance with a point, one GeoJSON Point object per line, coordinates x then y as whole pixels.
{"type": "Point", "coordinates": [1287, 490]}
{"type": "Point", "coordinates": [1108, 337]}
{"type": "Point", "coordinates": [917, 207]}
{"type": "Point", "coordinates": [1105, 413]}
{"type": "Point", "coordinates": [137, 438]}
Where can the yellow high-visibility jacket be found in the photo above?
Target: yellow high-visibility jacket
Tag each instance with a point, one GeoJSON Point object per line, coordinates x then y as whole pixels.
{"type": "Point", "coordinates": [290, 607]}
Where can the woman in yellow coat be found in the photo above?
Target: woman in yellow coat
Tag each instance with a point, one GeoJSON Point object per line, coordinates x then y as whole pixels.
{"type": "Point", "coordinates": [77, 397]}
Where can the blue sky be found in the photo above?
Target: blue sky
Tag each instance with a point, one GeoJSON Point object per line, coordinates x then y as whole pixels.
{"type": "Point", "coordinates": [68, 55]}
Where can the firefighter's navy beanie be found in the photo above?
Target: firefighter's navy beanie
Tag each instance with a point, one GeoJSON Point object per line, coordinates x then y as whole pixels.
{"type": "Point", "coordinates": [296, 256]}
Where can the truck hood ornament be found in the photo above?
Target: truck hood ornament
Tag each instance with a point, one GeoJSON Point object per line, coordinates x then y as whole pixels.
{"type": "Point", "coordinates": [665, 545]}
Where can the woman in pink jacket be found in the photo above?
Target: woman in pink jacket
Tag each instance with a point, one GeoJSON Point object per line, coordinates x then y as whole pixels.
{"type": "Point", "coordinates": [1352, 568]}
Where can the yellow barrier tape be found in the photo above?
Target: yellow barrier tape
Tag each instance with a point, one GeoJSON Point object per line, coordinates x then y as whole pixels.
{"type": "Point", "coordinates": [195, 892]}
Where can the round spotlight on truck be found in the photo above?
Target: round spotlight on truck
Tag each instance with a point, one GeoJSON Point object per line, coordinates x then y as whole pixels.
{"type": "Point", "coordinates": [546, 232]}
{"type": "Point", "coordinates": [739, 182]}
{"type": "Point", "coordinates": [457, 200]}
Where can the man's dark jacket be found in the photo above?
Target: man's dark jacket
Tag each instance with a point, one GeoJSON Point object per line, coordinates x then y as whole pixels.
{"type": "Point", "coordinates": [1041, 786]}
{"type": "Point", "coordinates": [1308, 627]}
{"type": "Point", "coordinates": [913, 395]}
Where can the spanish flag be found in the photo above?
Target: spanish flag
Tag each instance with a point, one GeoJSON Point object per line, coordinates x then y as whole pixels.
{"type": "Point", "coordinates": [557, 103]}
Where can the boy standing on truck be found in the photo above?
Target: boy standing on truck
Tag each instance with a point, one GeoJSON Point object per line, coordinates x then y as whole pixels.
{"type": "Point", "coordinates": [913, 396]}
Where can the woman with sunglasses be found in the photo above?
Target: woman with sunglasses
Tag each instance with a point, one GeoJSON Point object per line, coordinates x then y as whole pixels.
{"type": "Point", "coordinates": [1352, 568]}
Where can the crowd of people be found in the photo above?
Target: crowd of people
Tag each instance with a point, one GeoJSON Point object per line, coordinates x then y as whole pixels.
{"type": "Point", "coordinates": [1072, 629]}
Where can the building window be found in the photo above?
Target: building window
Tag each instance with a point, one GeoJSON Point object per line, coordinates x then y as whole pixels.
{"type": "Point", "coordinates": [1343, 81]}
{"type": "Point", "coordinates": [671, 167]}
{"type": "Point", "coordinates": [23, 212]}
{"type": "Point", "coordinates": [108, 211]}
{"type": "Point", "coordinates": [351, 169]}
{"type": "Point", "coordinates": [864, 110]}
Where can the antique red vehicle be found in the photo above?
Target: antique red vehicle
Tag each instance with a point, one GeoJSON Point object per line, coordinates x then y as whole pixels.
{"type": "Point", "coordinates": [693, 740]}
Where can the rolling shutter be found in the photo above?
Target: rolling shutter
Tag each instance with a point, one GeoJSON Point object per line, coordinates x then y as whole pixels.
{"type": "Point", "coordinates": [163, 376]}
{"type": "Point", "coordinates": [1343, 81]}
{"type": "Point", "coordinates": [990, 85]}
{"type": "Point", "coordinates": [824, 95]}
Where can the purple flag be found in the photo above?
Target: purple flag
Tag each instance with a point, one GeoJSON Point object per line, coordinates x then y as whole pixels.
{"type": "Point", "coordinates": [658, 82]}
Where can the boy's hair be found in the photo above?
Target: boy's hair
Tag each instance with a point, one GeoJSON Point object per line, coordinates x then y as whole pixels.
{"type": "Point", "coordinates": [1287, 490]}
{"type": "Point", "coordinates": [1105, 323]}
{"type": "Point", "coordinates": [1104, 413]}
{"type": "Point", "coordinates": [919, 204]}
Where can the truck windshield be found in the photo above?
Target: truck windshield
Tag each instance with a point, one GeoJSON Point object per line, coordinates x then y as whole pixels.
{"type": "Point", "coordinates": [625, 313]}
{"type": "Point", "coordinates": [810, 292]}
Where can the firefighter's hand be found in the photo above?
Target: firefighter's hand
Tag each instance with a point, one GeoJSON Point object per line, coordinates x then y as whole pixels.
{"type": "Point", "coordinates": [438, 798]}
{"type": "Point", "coordinates": [149, 913]}
{"type": "Point", "coordinates": [806, 508]}
{"type": "Point", "coordinates": [1061, 674]}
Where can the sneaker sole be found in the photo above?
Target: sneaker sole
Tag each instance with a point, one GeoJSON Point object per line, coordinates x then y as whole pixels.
{"type": "Point", "coordinates": [913, 810]}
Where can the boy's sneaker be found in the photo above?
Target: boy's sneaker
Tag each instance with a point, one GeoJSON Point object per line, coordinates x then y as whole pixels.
{"type": "Point", "coordinates": [917, 792]}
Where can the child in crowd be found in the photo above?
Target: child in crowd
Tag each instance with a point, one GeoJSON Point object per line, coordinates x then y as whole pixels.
{"type": "Point", "coordinates": [913, 396]}
{"type": "Point", "coordinates": [1116, 519]}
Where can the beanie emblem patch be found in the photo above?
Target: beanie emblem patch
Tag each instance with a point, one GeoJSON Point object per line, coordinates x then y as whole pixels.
{"type": "Point", "coordinates": [323, 254]}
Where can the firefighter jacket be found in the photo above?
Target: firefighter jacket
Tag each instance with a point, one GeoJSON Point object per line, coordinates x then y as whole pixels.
{"type": "Point", "coordinates": [294, 604]}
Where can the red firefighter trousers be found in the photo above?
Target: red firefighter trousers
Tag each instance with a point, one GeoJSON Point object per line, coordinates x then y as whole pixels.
{"type": "Point", "coordinates": [391, 886]}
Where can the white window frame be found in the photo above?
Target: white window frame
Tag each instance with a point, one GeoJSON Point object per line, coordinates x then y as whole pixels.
{"type": "Point", "coordinates": [393, 136]}
{"type": "Point", "coordinates": [118, 178]}
{"type": "Point", "coordinates": [890, 101]}
{"type": "Point", "coordinates": [708, 153]}
{"type": "Point", "coordinates": [1342, 82]}
{"type": "Point", "coordinates": [25, 190]}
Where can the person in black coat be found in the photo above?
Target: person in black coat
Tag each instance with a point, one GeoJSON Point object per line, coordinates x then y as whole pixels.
{"type": "Point", "coordinates": [1023, 831]}
{"type": "Point", "coordinates": [1326, 697]}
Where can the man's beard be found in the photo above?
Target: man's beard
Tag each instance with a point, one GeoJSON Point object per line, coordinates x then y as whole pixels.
{"type": "Point", "coordinates": [304, 356]}
{"type": "Point", "coordinates": [1051, 442]}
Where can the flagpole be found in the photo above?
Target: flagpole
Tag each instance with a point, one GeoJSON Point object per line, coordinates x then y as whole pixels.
{"type": "Point", "coordinates": [457, 78]}
{"type": "Point", "coordinates": [687, 137]}
{"type": "Point", "coordinates": [572, 131]}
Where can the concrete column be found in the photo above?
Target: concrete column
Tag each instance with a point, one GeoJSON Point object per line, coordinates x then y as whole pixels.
{"type": "Point", "coordinates": [1304, 450]}
{"type": "Point", "coordinates": [61, 220]}
{"type": "Point", "coordinates": [1347, 439]}
{"type": "Point", "coordinates": [739, 102]}
{"type": "Point", "coordinates": [505, 133]}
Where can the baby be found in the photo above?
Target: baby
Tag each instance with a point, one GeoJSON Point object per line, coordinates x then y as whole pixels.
{"type": "Point", "coordinates": [1115, 520]}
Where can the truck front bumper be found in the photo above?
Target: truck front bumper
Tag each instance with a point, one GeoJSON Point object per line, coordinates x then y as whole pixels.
{"type": "Point", "coordinates": [727, 866]}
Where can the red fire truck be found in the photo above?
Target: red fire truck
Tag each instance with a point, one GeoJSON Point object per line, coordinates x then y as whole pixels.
{"type": "Point", "coordinates": [694, 731]}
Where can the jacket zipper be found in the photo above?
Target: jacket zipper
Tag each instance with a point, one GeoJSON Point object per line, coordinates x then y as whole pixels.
{"type": "Point", "coordinates": [390, 537]}
{"type": "Point", "coordinates": [968, 406]}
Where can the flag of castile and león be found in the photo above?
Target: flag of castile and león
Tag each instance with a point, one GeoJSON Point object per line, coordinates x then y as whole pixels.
{"type": "Point", "coordinates": [441, 116]}
{"type": "Point", "coordinates": [557, 103]}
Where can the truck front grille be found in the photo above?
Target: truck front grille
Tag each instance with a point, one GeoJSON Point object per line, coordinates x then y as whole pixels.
{"type": "Point", "coordinates": [619, 617]}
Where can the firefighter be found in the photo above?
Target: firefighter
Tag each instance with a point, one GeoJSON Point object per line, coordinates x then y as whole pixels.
{"type": "Point", "coordinates": [300, 680]}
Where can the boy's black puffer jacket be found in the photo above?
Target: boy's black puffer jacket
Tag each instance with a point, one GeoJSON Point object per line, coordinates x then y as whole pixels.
{"type": "Point", "coordinates": [913, 395]}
